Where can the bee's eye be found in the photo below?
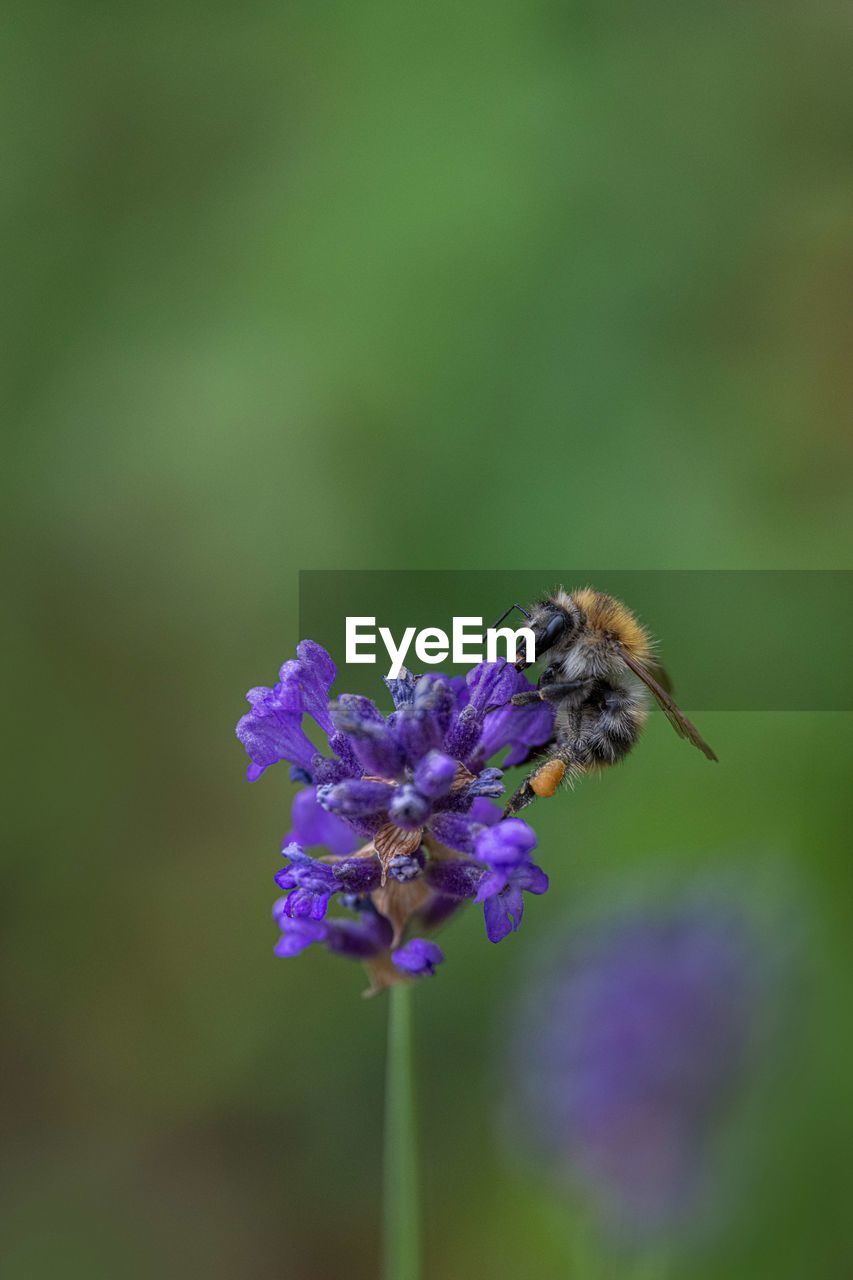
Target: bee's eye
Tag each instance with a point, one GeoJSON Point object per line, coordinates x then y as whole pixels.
{"type": "Point", "coordinates": [547, 635]}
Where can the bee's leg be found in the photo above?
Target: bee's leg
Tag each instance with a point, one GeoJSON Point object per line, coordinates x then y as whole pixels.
{"type": "Point", "coordinates": [524, 699]}
{"type": "Point", "coordinates": [553, 692]}
{"type": "Point", "coordinates": [544, 780]}
{"type": "Point", "coordinates": [520, 799]}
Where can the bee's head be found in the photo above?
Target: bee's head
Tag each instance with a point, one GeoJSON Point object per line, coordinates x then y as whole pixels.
{"type": "Point", "coordinates": [554, 622]}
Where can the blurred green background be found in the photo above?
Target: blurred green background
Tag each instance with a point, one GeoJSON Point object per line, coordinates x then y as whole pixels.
{"type": "Point", "coordinates": [380, 285]}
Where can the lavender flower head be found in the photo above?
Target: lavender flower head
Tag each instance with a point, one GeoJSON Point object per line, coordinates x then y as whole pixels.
{"type": "Point", "coordinates": [399, 807]}
{"type": "Point", "coordinates": [628, 1051]}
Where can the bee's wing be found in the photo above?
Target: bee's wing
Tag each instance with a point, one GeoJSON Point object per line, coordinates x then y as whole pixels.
{"type": "Point", "coordinates": [660, 673]}
{"type": "Point", "coordinates": [683, 727]}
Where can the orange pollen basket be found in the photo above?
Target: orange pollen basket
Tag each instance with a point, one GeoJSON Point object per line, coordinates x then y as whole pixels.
{"type": "Point", "coordinates": [546, 780]}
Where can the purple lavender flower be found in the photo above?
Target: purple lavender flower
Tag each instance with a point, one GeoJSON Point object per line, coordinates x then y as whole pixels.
{"type": "Point", "coordinates": [312, 882]}
{"type": "Point", "coordinates": [272, 730]}
{"type": "Point", "coordinates": [401, 803]}
{"type": "Point", "coordinates": [505, 850]}
{"type": "Point", "coordinates": [628, 1049]}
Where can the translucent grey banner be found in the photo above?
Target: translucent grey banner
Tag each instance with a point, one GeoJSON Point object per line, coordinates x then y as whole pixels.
{"type": "Point", "coordinates": [731, 640]}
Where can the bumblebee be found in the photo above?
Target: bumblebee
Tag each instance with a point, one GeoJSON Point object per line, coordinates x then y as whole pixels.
{"type": "Point", "coordinates": [599, 668]}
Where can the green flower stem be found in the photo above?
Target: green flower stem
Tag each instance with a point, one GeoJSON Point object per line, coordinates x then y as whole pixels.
{"type": "Point", "coordinates": [401, 1205]}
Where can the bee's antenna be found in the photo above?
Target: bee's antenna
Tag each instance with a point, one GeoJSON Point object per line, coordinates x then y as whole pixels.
{"type": "Point", "coordinates": [508, 612]}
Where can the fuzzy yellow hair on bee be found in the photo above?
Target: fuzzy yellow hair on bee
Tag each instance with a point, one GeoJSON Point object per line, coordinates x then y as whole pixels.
{"type": "Point", "coordinates": [611, 617]}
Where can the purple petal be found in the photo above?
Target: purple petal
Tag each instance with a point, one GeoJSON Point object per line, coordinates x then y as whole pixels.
{"type": "Point", "coordinates": [454, 830]}
{"type": "Point", "coordinates": [512, 901]}
{"type": "Point", "coordinates": [353, 714]}
{"type": "Point", "coordinates": [418, 957]}
{"type": "Point", "coordinates": [421, 726]}
{"type": "Point", "coordinates": [454, 877]}
{"type": "Point", "coordinates": [311, 884]}
{"type": "Point", "coordinates": [434, 774]}
{"type": "Point", "coordinates": [298, 934]}
{"type": "Point", "coordinates": [379, 753]}
{"type": "Point", "coordinates": [270, 734]}
{"type": "Point", "coordinates": [402, 689]}
{"type": "Point", "coordinates": [501, 894]}
{"type": "Point", "coordinates": [492, 883]}
{"type": "Point", "coordinates": [434, 696]}
{"type": "Point", "coordinates": [506, 845]}
{"type": "Point", "coordinates": [315, 657]}
{"type": "Point", "coordinates": [306, 904]}
{"type": "Point", "coordinates": [315, 826]}
{"type": "Point", "coordinates": [417, 732]}
{"type": "Point", "coordinates": [304, 683]}
{"type": "Point", "coordinates": [306, 871]}
{"type": "Point", "coordinates": [342, 747]}
{"type": "Point", "coordinates": [370, 739]}
{"type": "Point", "coordinates": [484, 812]}
{"type": "Point", "coordinates": [358, 875]}
{"type": "Point", "coordinates": [272, 730]}
{"type": "Point", "coordinates": [356, 798]}
{"type": "Point", "coordinates": [325, 773]}
{"type": "Point", "coordinates": [464, 734]}
{"type": "Point", "coordinates": [492, 684]}
{"type": "Point", "coordinates": [520, 727]}
{"type": "Point", "coordinates": [531, 878]}
{"type": "Point", "coordinates": [488, 783]}
{"type": "Point", "coordinates": [498, 921]}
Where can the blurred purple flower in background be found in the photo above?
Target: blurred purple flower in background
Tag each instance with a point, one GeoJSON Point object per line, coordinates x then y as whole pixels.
{"type": "Point", "coordinates": [628, 1051]}
{"type": "Point", "coordinates": [399, 806]}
